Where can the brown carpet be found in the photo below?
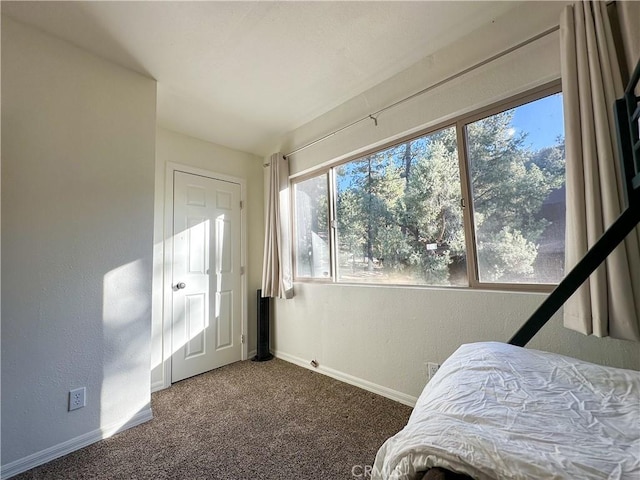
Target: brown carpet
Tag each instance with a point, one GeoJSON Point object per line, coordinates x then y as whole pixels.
{"type": "Point", "coordinates": [248, 420]}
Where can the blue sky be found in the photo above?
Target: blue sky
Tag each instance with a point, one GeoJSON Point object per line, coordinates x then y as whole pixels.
{"type": "Point", "coordinates": [542, 120]}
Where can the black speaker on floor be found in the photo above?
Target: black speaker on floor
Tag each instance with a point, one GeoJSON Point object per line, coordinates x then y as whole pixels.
{"type": "Point", "coordinates": [263, 353]}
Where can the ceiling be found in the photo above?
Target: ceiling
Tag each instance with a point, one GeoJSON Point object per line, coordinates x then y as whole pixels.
{"type": "Point", "coordinates": [242, 74]}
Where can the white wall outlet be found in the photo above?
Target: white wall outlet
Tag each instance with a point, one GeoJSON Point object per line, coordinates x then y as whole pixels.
{"type": "Point", "coordinates": [432, 368]}
{"type": "Point", "coordinates": [77, 398]}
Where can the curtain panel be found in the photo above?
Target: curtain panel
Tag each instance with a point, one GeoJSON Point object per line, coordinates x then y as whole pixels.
{"type": "Point", "coordinates": [277, 277]}
{"type": "Point", "coordinates": [608, 304]}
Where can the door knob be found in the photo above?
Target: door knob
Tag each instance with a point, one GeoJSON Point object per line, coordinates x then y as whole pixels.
{"type": "Point", "coordinates": [181, 285]}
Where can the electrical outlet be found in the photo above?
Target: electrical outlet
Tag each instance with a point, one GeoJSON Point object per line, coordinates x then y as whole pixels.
{"type": "Point", "coordinates": [432, 368]}
{"type": "Point", "coordinates": [77, 398]}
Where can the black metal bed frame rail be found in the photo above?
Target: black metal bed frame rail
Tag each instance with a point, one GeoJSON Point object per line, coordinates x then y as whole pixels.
{"type": "Point", "coordinates": [627, 111]}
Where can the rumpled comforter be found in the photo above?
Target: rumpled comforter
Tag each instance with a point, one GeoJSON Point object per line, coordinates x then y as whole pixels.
{"type": "Point", "coordinates": [497, 411]}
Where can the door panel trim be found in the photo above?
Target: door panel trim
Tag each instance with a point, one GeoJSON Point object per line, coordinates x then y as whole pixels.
{"type": "Point", "coordinates": [167, 293]}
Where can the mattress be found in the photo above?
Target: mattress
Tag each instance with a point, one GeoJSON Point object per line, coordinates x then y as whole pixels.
{"type": "Point", "coordinates": [498, 411]}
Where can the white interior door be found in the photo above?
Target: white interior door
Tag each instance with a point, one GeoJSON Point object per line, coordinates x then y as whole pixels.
{"type": "Point", "coordinates": [207, 323]}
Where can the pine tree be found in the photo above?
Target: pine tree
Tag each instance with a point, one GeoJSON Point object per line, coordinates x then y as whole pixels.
{"type": "Point", "coordinates": [399, 210]}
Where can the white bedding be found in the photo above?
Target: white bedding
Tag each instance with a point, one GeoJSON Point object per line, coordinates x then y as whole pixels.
{"type": "Point", "coordinates": [497, 411]}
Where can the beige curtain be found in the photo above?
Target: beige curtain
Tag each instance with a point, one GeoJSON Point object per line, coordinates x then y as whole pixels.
{"type": "Point", "coordinates": [276, 269]}
{"type": "Point", "coordinates": [608, 304]}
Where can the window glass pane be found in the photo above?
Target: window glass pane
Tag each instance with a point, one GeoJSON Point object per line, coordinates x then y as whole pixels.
{"type": "Point", "coordinates": [312, 228]}
{"type": "Point", "coordinates": [399, 216]}
{"type": "Point", "coordinates": [516, 161]}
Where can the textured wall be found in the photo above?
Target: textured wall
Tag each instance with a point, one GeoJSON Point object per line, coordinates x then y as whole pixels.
{"type": "Point", "coordinates": [384, 335]}
{"type": "Point", "coordinates": [78, 143]}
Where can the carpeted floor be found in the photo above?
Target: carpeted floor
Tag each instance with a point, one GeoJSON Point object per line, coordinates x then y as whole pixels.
{"type": "Point", "coordinates": [248, 420]}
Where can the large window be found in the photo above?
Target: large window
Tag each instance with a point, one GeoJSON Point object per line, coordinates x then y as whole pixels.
{"type": "Point", "coordinates": [477, 203]}
{"type": "Point", "coordinates": [399, 214]}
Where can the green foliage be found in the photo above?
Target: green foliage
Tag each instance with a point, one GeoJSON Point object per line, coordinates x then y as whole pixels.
{"type": "Point", "coordinates": [351, 227]}
{"type": "Point", "coordinates": [506, 256]}
{"type": "Point", "coordinates": [399, 210]}
{"type": "Point", "coordinates": [510, 184]}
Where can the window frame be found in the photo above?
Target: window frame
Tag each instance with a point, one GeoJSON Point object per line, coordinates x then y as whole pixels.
{"type": "Point", "coordinates": [458, 123]}
{"type": "Point", "coordinates": [515, 101]}
{"type": "Point", "coordinates": [294, 225]}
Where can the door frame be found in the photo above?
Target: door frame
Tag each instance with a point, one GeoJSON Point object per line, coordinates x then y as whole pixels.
{"type": "Point", "coordinates": [167, 291]}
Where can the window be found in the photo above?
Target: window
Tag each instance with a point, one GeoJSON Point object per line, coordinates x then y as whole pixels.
{"type": "Point", "coordinates": [477, 203]}
{"type": "Point", "coordinates": [312, 228]}
{"type": "Point", "coordinates": [516, 164]}
{"type": "Point", "coordinates": [399, 214]}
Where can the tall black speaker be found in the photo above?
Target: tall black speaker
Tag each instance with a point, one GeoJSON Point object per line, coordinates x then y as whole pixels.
{"type": "Point", "coordinates": [263, 353]}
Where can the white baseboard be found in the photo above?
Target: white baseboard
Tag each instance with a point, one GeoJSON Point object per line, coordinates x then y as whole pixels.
{"type": "Point", "coordinates": [350, 379]}
{"type": "Point", "coordinates": [158, 385]}
{"type": "Point", "coordinates": [252, 354]}
{"type": "Point", "coordinates": [64, 448]}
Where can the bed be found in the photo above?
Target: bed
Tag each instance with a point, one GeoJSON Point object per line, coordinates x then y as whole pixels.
{"type": "Point", "coordinates": [498, 410]}
{"type": "Point", "coordinates": [495, 410]}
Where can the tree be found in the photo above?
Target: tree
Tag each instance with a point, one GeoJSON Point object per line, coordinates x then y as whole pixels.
{"type": "Point", "coordinates": [510, 183]}
{"type": "Point", "coordinates": [369, 188]}
{"type": "Point", "coordinates": [351, 226]}
{"type": "Point", "coordinates": [432, 211]}
{"type": "Point", "coordinates": [402, 206]}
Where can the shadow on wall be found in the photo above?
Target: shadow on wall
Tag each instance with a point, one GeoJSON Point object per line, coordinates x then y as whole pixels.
{"type": "Point", "coordinates": [126, 315]}
{"type": "Point", "coordinates": [64, 354]}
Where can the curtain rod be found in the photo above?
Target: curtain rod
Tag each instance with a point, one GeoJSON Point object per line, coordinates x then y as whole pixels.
{"type": "Point", "coordinates": [374, 116]}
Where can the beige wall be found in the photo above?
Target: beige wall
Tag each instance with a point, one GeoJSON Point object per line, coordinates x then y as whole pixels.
{"type": "Point", "coordinates": [178, 148]}
{"type": "Point", "coordinates": [381, 337]}
{"type": "Point", "coordinates": [78, 149]}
